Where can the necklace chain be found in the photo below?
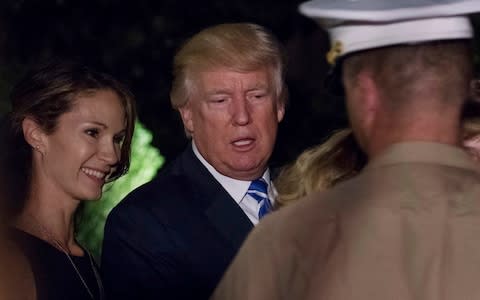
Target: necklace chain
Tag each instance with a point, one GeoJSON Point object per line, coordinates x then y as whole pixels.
{"type": "Point", "coordinates": [54, 242]}
{"type": "Point", "coordinates": [94, 269]}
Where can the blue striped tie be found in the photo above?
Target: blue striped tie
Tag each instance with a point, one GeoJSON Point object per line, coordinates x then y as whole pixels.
{"type": "Point", "coordinates": [258, 190]}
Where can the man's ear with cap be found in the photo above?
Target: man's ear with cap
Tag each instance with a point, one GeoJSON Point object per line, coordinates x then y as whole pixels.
{"type": "Point", "coordinates": [363, 100]}
{"type": "Point", "coordinates": [372, 94]}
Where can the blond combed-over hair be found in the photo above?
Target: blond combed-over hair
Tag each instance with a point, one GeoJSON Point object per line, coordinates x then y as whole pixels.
{"type": "Point", "coordinates": [242, 47]}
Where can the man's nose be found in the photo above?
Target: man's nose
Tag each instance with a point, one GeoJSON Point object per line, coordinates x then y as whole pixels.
{"type": "Point", "coordinates": [241, 114]}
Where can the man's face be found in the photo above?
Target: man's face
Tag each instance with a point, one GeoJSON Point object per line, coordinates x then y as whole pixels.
{"type": "Point", "coordinates": [233, 118]}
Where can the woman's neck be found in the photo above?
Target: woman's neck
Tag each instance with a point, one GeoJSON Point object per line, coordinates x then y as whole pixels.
{"type": "Point", "coordinates": [52, 221]}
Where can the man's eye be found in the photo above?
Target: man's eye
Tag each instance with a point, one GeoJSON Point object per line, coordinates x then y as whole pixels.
{"type": "Point", "coordinates": [257, 96]}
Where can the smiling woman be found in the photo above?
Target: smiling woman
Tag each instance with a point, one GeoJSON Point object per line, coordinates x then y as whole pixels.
{"type": "Point", "coordinates": [85, 147]}
{"type": "Point", "coordinates": [70, 131]}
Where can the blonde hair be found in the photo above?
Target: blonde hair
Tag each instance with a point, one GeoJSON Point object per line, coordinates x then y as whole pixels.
{"type": "Point", "coordinates": [320, 167]}
{"type": "Point", "coordinates": [239, 46]}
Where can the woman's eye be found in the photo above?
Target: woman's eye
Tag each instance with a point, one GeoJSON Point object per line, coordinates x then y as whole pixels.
{"type": "Point", "coordinates": [119, 139]}
{"type": "Point", "coordinates": [92, 132]}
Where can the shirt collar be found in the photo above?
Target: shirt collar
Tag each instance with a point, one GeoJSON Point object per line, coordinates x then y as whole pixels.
{"type": "Point", "coordinates": [234, 187]}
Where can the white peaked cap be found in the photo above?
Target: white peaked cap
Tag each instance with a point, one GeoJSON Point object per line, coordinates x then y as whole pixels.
{"type": "Point", "coordinates": [356, 25]}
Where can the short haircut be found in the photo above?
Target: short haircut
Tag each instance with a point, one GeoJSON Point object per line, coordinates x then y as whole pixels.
{"type": "Point", "coordinates": [441, 68]}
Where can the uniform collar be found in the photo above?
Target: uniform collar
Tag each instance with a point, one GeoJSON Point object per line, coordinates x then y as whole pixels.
{"type": "Point", "coordinates": [424, 152]}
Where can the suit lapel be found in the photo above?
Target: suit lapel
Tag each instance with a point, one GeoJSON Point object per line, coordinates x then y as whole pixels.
{"type": "Point", "coordinates": [230, 220]}
{"type": "Point", "coordinates": [219, 207]}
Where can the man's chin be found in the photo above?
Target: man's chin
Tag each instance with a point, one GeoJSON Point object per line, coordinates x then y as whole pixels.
{"type": "Point", "coordinates": [246, 172]}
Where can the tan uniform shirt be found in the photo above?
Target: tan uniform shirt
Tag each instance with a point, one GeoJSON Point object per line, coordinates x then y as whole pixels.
{"type": "Point", "coordinates": [407, 227]}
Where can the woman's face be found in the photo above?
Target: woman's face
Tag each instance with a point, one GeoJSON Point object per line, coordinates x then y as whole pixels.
{"type": "Point", "coordinates": [84, 148]}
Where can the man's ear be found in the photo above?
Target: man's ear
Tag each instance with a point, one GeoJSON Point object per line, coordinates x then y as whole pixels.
{"type": "Point", "coordinates": [33, 133]}
{"type": "Point", "coordinates": [371, 96]}
{"type": "Point", "coordinates": [187, 118]}
{"type": "Point", "coordinates": [280, 111]}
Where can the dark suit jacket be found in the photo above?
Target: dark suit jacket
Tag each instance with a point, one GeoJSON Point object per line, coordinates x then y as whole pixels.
{"type": "Point", "coordinates": [173, 237]}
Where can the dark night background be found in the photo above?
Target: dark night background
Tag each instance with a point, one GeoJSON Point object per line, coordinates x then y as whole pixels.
{"type": "Point", "coordinates": [135, 41]}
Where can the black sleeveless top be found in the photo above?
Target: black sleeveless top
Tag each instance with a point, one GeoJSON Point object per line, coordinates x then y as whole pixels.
{"type": "Point", "coordinates": [55, 276]}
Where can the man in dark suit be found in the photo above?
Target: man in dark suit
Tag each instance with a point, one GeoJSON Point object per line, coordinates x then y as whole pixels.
{"type": "Point", "coordinates": [174, 237]}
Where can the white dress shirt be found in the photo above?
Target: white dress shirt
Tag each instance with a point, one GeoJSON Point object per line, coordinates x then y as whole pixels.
{"type": "Point", "coordinates": [237, 189]}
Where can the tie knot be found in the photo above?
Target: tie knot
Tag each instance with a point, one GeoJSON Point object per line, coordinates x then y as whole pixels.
{"type": "Point", "coordinates": [258, 185]}
{"type": "Point", "coordinates": [258, 190]}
